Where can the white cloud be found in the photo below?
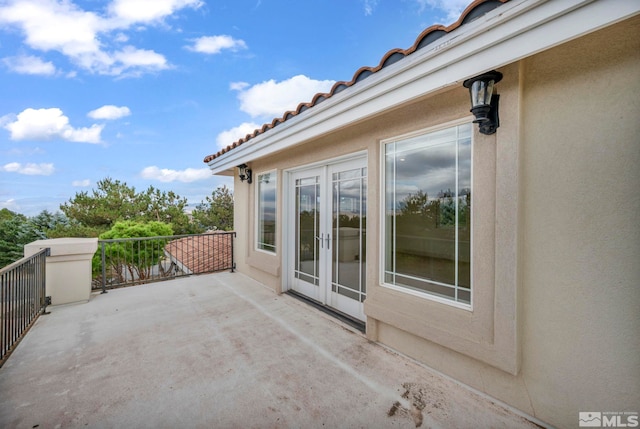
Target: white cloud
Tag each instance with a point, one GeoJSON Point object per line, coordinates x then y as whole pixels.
{"type": "Point", "coordinates": [84, 37]}
{"type": "Point", "coordinates": [143, 11]}
{"type": "Point", "coordinates": [273, 98]}
{"type": "Point", "coordinates": [166, 175]}
{"type": "Point", "coordinates": [29, 169]}
{"type": "Point", "coordinates": [453, 8]}
{"type": "Point", "coordinates": [369, 5]}
{"type": "Point", "coordinates": [10, 204]}
{"type": "Point", "coordinates": [121, 38]}
{"type": "Point", "coordinates": [133, 57]}
{"type": "Point", "coordinates": [26, 151]}
{"type": "Point", "coordinates": [47, 124]}
{"type": "Point", "coordinates": [28, 64]}
{"type": "Point", "coordinates": [228, 137]}
{"type": "Point", "coordinates": [81, 183]}
{"type": "Point", "coordinates": [49, 25]}
{"type": "Point", "coordinates": [109, 112]}
{"type": "Point", "coordinates": [238, 86]}
{"type": "Point", "coordinates": [215, 44]}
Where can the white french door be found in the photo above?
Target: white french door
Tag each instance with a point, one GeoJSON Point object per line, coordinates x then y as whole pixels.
{"type": "Point", "coordinates": [327, 235]}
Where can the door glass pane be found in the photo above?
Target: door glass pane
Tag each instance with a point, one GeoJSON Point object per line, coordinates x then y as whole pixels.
{"type": "Point", "coordinates": [363, 236]}
{"type": "Point", "coordinates": [348, 230]}
{"type": "Point", "coordinates": [307, 229]}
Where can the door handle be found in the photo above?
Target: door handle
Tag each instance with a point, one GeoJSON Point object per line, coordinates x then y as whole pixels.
{"type": "Point", "coordinates": [321, 239]}
{"type": "Point", "coordinates": [328, 241]}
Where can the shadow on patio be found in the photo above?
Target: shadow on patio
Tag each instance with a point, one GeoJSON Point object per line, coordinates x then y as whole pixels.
{"type": "Point", "coordinates": [221, 351]}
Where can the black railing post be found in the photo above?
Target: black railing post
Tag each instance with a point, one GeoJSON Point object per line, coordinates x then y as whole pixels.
{"type": "Point", "coordinates": [43, 291]}
{"type": "Point", "coordinates": [233, 264]}
{"type": "Point", "coordinates": [104, 268]}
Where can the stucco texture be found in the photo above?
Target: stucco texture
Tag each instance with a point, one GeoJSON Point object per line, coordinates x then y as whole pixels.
{"type": "Point", "coordinates": [581, 241]}
{"type": "Point", "coordinates": [556, 318]}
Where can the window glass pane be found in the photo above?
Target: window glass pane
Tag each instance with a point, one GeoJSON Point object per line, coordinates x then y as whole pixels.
{"type": "Point", "coordinates": [267, 212]}
{"type": "Point", "coordinates": [464, 215]}
{"type": "Point", "coordinates": [307, 181]}
{"type": "Point", "coordinates": [390, 164]}
{"type": "Point", "coordinates": [428, 212]}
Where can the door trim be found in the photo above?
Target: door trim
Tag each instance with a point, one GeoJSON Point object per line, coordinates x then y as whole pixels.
{"type": "Point", "coordinates": [329, 161]}
{"type": "Point", "coordinates": [288, 209]}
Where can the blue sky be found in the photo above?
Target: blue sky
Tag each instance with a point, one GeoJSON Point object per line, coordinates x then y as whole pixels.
{"type": "Point", "coordinates": [142, 90]}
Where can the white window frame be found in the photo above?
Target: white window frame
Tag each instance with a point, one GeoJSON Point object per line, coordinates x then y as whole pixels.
{"type": "Point", "coordinates": [257, 248]}
{"type": "Point", "coordinates": [383, 236]}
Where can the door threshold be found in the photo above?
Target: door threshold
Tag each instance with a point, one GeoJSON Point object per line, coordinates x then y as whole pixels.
{"type": "Point", "coordinates": [354, 323]}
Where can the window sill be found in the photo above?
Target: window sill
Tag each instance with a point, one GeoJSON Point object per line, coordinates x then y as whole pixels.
{"type": "Point", "coordinates": [428, 296]}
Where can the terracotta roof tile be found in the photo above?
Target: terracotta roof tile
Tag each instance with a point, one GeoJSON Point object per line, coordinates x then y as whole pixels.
{"type": "Point", "coordinates": [202, 253]}
{"type": "Point", "coordinates": [473, 11]}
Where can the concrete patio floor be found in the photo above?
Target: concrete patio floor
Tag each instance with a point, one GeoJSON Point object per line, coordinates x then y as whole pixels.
{"type": "Point", "coordinates": [221, 351]}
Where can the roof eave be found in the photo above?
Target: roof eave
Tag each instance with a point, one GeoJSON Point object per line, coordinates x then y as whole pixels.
{"type": "Point", "coordinates": [515, 30]}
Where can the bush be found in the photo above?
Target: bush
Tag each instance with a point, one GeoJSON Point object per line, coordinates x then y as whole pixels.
{"type": "Point", "coordinates": [133, 260]}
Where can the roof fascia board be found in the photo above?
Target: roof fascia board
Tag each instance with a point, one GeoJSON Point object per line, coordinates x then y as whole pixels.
{"type": "Point", "coordinates": [511, 32]}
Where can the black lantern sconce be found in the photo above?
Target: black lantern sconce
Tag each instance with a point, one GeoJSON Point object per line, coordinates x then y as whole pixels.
{"type": "Point", "coordinates": [484, 103]}
{"type": "Point", "coordinates": [245, 173]}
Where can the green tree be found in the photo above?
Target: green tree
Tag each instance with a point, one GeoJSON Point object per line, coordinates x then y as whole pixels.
{"type": "Point", "coordinates": [6, 214]}
{"type": "Point", "coordinates": [413, 204]}
{"type": "Point", "coordinates": [168, 207]}
{"type": "Point", "coordinates": [57, 225]}
{"type": "Point", "coordinates": [15, 232]}
{"type": "Point", "coordinates": [45, 220]}
{"type": "Point", "coordinates": [216, 212]}
{"type": "Point", "coordinates": [447, 212]}
{"type": "Point", "coordinates": [112, 201]}
{"type": "Point", "coordinates": [73, 228]}
{"type": "Point", "coordinates": [134, 260]}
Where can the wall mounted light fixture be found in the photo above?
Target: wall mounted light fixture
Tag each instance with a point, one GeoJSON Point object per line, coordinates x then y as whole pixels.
{"type": "Point", "coordinates": [245, 173]}
{"type": "Point", "coordinates": [484, 103]}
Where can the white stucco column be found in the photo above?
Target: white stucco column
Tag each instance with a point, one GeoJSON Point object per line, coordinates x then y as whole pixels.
{"type": "Point", "coordinates": [68, 269]}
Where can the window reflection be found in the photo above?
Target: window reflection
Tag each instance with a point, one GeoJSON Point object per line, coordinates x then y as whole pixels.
{"type": "Point", "coordinates": [307, 226]}
{"type": "Point", "coordinates": [428, 213]}
{"type": "Point", "coordinates": [349, 224]}
{"type": "Point", "coordinates": [267, 212]}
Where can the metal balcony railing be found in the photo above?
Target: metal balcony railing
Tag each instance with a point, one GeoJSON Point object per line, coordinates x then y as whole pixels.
{"type": "Point", "coordinates": [22, 299]}
{"type": "Point", "coordinates": [132, 261]}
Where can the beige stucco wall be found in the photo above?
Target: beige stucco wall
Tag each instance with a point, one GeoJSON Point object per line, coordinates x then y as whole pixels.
{"type": "Point", "coordinates": [362, 137]}
{"type": "Point", "coordinates": [579, 241]}
{"type": "Point", "coordinates": [581, 247]}
{"type": "Point", "coordinates": [68, 267]}
{"type": "Point", "coordinates": [556, 317]}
